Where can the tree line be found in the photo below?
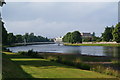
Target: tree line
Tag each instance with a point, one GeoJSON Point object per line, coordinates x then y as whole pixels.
{"type": "Point", "coordinates": [110, 34]}
{"type": "Point", "coordinates": [10, 38]}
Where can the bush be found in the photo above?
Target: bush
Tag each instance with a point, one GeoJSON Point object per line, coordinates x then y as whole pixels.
{"type": "Point", "coordinates": [5, 49]}
{"type": "Point", "coordinates": [105, 70]}
{"type": "Point", "coordinates": [22, 53]}
{"type": "Point", "coordinates": [29, 53]}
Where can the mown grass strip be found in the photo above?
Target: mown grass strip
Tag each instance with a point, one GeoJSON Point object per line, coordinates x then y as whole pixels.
{"type": "Point", "coordinates": [42, 68]}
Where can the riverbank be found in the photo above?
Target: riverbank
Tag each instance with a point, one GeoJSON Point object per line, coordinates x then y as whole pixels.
{"type": "Point", "coordinates": [93, 44]}
{"type": "Point", "coordinates": [29, 43]}
{"type": "Point", "coordinates": [21, 66]}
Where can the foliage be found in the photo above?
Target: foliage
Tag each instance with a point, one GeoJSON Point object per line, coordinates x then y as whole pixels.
{"type": "Point", "coordinates": [4, 33]}
{"type": "Point", "coordinates": [96, 39]}
{"type": "Point", "coordinates": [105, 70]}
{"type": "Point", "coordinates": [29, 53]}
{"type": "Point", "coordinates": [19, 39]}
{"type": "Point", "coordinates": [87, 39]}
{"type": "Point", "coordinates": [107, 35]}
{"type": "Point", "coordinates": [116, 33]}
{"type": "Point", "coordinates": [74, 37]}
{"type": "Point", "coordinates": [11, 38]}
{"type": "Point", "coordinates": [5, 49]}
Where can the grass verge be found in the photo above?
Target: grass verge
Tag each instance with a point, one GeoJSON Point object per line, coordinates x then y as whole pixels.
{"type": "Point", "coordinates": [26, 67]}
{"type": "Point", "coordinates": [70, 44]}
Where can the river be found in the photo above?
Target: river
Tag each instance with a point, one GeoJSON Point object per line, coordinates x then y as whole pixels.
{"type": "Point", "coordinates": [86, 50]}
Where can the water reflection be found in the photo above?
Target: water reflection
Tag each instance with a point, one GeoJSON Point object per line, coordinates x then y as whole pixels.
{"type": "Point", "coordinates": [111, 51]}
{"type": "Point", "coordinates": [73, 50]}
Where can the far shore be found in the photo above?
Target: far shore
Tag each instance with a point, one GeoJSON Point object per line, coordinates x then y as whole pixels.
{"type": "Point", "coordinates": [93, 44]}
{"type": "Point", "coordinates": [69, 44]}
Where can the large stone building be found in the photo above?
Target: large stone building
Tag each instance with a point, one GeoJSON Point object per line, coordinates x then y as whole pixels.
{"type": "Point", "coordinates": [86, 35]}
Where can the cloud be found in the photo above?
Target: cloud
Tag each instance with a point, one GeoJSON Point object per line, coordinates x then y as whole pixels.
{"type": "Point", "coordinates": [56, 19]}
{"type": "Point", "coordinates": [38, 26]}
{"type": "Point", "coordinates": [62, 0]}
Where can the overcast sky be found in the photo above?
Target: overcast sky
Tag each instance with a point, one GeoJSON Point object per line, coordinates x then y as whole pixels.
{"type": "Point", "coordinates": [54, 19]}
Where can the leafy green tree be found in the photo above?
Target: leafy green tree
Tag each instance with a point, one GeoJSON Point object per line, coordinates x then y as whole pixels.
{"type": "Point", "coordinates": [11, 38]}
{"type": "Point", "coordinates": [107, 35]}
{"type": "Point", "coordinates": [67, 37]}
{"type": "Point", "coordinates": [19, 39]}
{"type": "Point", "coordinates": [96, 39]}
{"type": "Point", "coordinates": [116, 33]}
{"type": "Point", "coordinates": [4, 33]}
{"type": "Point", "coordinates": [32, 38]}
{"type": "Point", "coordinates": [87, 39]}
{"type": "Point", "coordinates": [25, 37]}
{"type": "Point", "coordinates": [76, 36]}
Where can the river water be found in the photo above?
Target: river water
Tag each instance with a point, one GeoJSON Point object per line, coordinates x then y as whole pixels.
{"type": "Point", "coordinates": [86, 50]}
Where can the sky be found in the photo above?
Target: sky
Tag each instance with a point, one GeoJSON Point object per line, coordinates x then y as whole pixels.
{"type": "Point", "coordinates": [54, 19]}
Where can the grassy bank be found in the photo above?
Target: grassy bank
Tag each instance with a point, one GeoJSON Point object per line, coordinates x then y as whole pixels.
{"type": "Point", "coordinates": [70, 44]}
{"type": "Point", "coordinates": [19, 66]}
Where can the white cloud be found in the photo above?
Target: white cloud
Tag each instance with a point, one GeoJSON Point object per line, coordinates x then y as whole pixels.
{"type": "Point", "coordinates": [62, 0]}
{"type": "Point", "coordinates": [39, 27]}
{"type": "Point", "coordinates": [56, 19]}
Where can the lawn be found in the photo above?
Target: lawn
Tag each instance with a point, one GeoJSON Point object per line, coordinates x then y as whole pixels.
{"type": "Point", "coordinates": [18, 66]}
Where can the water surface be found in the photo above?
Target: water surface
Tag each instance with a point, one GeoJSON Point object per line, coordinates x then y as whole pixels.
{"type": "Point", "coordinates": [88, 50]}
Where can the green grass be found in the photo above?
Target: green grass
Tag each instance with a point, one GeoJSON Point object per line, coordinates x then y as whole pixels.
{"type": "Point", "coordinates": [69, 44]}
{"type": "Point", "coordinates": [11, 70]}
{"type": "Point", "coordinates": [18, 66]}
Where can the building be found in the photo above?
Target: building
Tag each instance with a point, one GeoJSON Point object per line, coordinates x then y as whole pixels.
{"type": "Point", "coordinates": [58, 40]}
{"type": "Point", "coordinates": [86, 35]}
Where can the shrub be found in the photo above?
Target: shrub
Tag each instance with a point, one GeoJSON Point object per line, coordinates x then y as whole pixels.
{"type": "Point", "coordinates": [29, 53]}
{"type": "Point", "coordinates": [5, 49]}
{"type": "Point", "coordinates": [22, 52]}
{"type": "Point", "coordinates": [105, 70]}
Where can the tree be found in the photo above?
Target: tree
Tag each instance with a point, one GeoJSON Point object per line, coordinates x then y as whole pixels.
{"type": "Point", "coordinates": [32, 38]}
{"type": "Point", "coordinates": [19, 39]}
{"type": "Point", "coordinates": [116, 33]}
{"type": "Point", "coordinates": [93, 34]}
{"type": "Point", "coordinates": [76, 36]}
{"type": "Point", "coordinates": [25, 37]}
{"type": "Point", "coordinates": [67, 37]}
{"type": "Point", "coordinates": [107, 35]}
{"type": "Point", "coordinates": [4, 33]}
{"type": "Point", "coordinates": [11, 38]}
